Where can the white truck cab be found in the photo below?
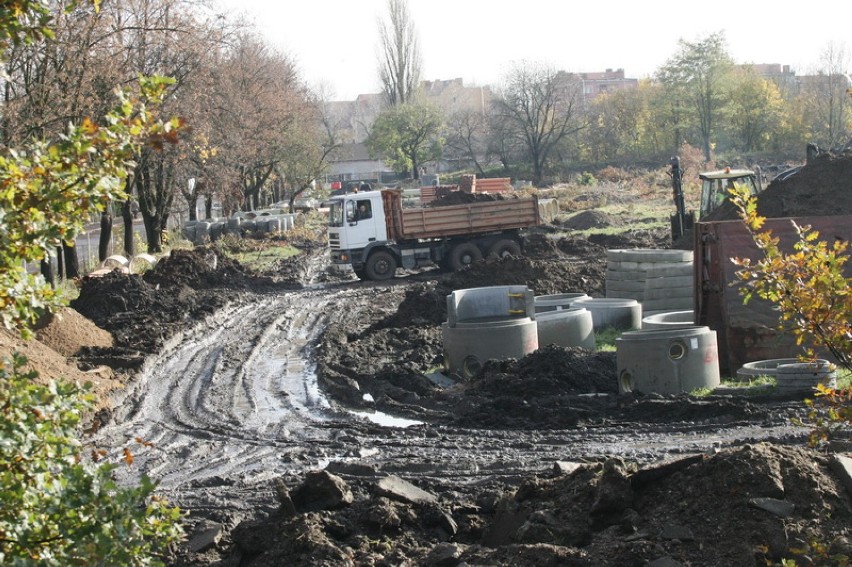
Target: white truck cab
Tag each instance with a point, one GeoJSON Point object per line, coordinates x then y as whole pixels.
{"type": "Point", "coordinates": [355, 222]}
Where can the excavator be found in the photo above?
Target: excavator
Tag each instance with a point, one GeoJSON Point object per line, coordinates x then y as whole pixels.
{"type": "Point", "coordinates": [714, 192]}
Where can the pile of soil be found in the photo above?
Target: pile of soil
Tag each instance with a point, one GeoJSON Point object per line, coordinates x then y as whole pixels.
{"type": "Point", "coordinates": [822, 187]}
{"type": "Point", "coordinates": [590, 219]}
{"type": "Point", "coordinates": [60, 338]}
{"type": "Point", "coordinates": [142, 311]}
{"type": "Point", "coordinates": [758, 504]}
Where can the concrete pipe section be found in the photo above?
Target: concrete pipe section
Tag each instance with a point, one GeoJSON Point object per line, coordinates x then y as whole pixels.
{"type": "Point", "coordinates": [662, 280]}
{"type": "Point", "coordinates": [791, 374]}
{"type": "Point", "coordinates": [623, 314]}
{"type": "Point", "coordinates": [488, 323]}
{"type": "Point", "coordinates": [142, 262]}
{"type": "Point", "coordinates": [557, 301]}
{"type": "Point", "coordinates": [667, 361]}
{"type": "Point", "coordinates": [668, 320]}
{"type": "Point", "coordinates": [115, 261]}
{"type": "Point", "coordinates": [566, 327]}
{"type": "Point", "coordinates": [202, 233]}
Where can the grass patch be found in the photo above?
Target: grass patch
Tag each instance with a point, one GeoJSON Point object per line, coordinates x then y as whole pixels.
{"type": "Point", "coordinates": [754, 386]}
{"type": "Point", "coordinates": [256, 254]}
{"type": "Point", "coordinates": [265, 258]}
{"type": "Point", "coordinates": [605, 339]}
{"type": "Point", "coordinates": [757, 381]}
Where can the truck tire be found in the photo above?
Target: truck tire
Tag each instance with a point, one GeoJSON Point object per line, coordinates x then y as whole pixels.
{"type": "Point", "coordinates": [503, 248]}
{"type": "Point", "coordinates": [464, 255]}
{"type": "Point", "coordinates": [381, 265]}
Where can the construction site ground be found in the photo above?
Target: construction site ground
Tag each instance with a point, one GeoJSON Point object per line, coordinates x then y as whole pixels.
{"type": "Point", "coordinates": [299, 417]}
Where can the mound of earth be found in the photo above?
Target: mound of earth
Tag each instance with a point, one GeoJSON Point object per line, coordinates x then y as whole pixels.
{"type": "Point", "coordinates": [67, 332]}
{"type": "Point", "coordinates": [44, 356]}
{"type": "Point", "coordinates": [660, 238]}
{"type": "Point", "coordinates": [142, 311]}
{"type": "Point", "coordinates": [590, 219]}
{"type": "Point", "coordinates": [758, 504]}
{"type": "Point", "coordinates": [821, 187]}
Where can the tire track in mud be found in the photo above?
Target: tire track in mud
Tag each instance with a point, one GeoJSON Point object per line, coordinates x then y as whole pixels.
{"type": "Point", "coordinates": [235, 403]}
{"type": "Point", "coordinates": [237, 394]}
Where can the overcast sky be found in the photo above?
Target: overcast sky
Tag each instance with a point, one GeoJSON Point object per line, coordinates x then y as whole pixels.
{"type": "Point", "coordinates": [335, 42]}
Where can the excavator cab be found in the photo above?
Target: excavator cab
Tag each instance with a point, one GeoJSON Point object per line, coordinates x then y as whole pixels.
{"type": "Point", "coordinates": [716, 184]}
{"type": "Point", "coordinates": [715, 187]}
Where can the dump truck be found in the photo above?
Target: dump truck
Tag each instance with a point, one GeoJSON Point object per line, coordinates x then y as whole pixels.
{"type": "Point", "coordinates": [373, 233]}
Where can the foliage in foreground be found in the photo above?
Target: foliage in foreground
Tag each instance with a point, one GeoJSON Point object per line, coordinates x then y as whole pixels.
{"type": "Point", "coordinates": [57, 507]}
{"type": "Point", "coordinates": [813, 295]}
{"type": "Point", "coordinates": [49, 188]}
{"type": "Point", "coordinates": [807, 284]}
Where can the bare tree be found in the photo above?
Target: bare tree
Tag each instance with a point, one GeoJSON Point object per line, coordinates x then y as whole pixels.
{"type": "Point", "coordinates": [258, 101]}
{"type": "Point", "coordinates": [829, 104]}
{"type": "Point", "coordinates": [313, 139]}
{"type": "Point", "coordinates": [540, 107]}
{"type": "Point", "coordinates": [467, 138]}
{"type": "Point", "coordinates": [399, 61]}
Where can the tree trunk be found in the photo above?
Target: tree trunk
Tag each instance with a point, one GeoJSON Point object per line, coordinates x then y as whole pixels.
{"type": "Point", "coordinates": [47, 272]}
{"type": "Point", "coordinates": [60, 264]}
{"type": "Point", "coordinates": [105, 236]}
{"type": "Point", "coordinates": [155, 226]}
{"type": "Point", "coordinates": [72, 262]}
{"type": "Point", "coordinates": [127, 216]}
{"type": "Point", "coordinates": [208, 207]}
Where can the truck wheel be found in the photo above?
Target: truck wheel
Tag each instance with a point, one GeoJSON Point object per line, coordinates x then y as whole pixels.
{"type": "Point", "coordinates": [381, 265]}
{"type": "Point", "coordinates": [503, 248]}
{"type": "Point", "coordinates": [463, 255]}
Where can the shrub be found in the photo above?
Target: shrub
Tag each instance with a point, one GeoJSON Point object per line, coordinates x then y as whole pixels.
{"type": "Point", "coordinates": [814, 299]}
{"type": "Point", "coordinates": [808, 284]}
{"type": "Point", "coordinates": [58, 506]}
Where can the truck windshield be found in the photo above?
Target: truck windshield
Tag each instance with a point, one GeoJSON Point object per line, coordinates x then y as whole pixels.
{"type": "Point", "coordinates": [335, 214]}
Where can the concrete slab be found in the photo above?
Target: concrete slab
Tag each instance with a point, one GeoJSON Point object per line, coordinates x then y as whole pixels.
{"type": "Point", "coordinates": [841, 465]}
{"type": "Point", "coordinates": [780, 508]}
{"type": "Point", "coordinates": [398, 489]}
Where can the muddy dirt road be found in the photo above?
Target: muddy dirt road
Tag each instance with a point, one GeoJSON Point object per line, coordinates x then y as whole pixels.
{"type": "Point", "coordinates": [234, 403]}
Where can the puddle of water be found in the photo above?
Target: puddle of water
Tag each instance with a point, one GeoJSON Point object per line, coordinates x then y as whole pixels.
{"type": "Point", "coordinates": [386, 420]}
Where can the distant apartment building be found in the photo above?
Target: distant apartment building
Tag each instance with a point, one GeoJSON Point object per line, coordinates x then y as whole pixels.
{"type": "Point", "coordinates": [596, 84]}
{"type": "Point", "coordinates": [352, 120]}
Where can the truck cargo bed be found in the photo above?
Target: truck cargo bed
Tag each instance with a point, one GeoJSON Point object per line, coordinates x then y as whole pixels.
{"type": "Point", "coordinates": [458, 220]}
{"type": "Point", "coordinates": [747, 333]}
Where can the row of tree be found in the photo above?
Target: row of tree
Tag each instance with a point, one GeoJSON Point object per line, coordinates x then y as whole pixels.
{"type": "Point", "coordinates": [257, 133]}
{"type": "Point", "coordinates": [252, 123]}
{"type": "Point", "coordinates": [539, 122]}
